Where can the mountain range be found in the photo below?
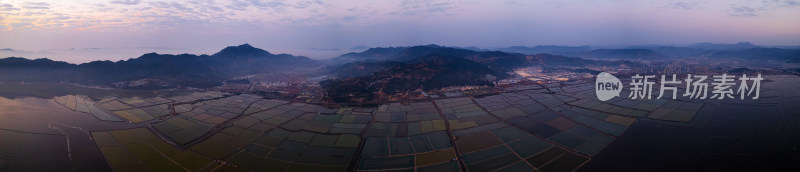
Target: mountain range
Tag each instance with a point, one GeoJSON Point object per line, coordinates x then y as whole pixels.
{"type": "Point", "coordinates": [376, 73]}
{"type": "Point", "coordinates": [428, 72]}
{"type": "Point", "coordinates": [497, 60]}
{"type": "Point", "coordinates": [714, 50]}
{"type": "Point", "coordinates": [154, 71]}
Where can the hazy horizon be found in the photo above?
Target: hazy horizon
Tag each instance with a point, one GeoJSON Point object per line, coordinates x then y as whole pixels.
{"type": "Point", "coordinates": [317, 54]}
{"type": "Point", "coordinates": [84, 31]}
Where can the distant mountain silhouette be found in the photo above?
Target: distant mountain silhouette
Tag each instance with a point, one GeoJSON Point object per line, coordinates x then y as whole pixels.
{"type": "Point", "coordinates": [549, 49]}
{"type": "Point", "coordinates": [372, 54]}
{"type": "Point", "coordinates": [787, 55]}
{"type": "Point", "coordinates": [473, 48]}
{"type": "Point", "coordinates": [587, 52]}
{"type": "Point", "coordinates": [15, 69]}
{"type": "Point", "coordinates": [378, 72]}
{"type": "Point", "coordinates": [242, 51]}
{"type": "Point", "coordinates": [184, 70]}
{"type": "Point", "coordinates": [359, 68]}
{"type": "Point", "coordinates": [433, 71]}
{"type": "Point", "coordinates": [188, 70]}
{"type": "Point", "coordinates": [17, 62]}
{"type": "Point", "coordinates": [707, 45]}
{"type": "Point", "coordinates": [401, 54]}
{"type": "Point", "coordinates": [674, 51]}
{"type": "Point", "coordinates": [375, 59]}
{"type": "Point", "coordinates": [630, 53]}
{"type": "Point", "coordinates": [636, 52]}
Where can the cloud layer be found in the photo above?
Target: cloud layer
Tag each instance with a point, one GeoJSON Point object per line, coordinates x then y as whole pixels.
{"type": "Point", "coordinates": [316, 27]}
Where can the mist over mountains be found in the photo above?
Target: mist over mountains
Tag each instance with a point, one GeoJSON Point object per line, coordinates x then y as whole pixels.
{"type": "Point", "coordinates": [154, 71]}
{"type": "Point", "coordinates": [785, 53]}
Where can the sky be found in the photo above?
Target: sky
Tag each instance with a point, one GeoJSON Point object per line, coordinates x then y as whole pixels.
{"type": "Point", "coordinates": [79, 31]}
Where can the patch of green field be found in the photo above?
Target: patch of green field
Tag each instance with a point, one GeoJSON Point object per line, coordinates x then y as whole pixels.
{"type": "Point", "coordinates": [113, 105]}
{"type": "Point", "coordinates": [529, 146]}
{"type": "Point", "coordinates": [182, 130]}
{"type": "Point", "coordinates": [386, 163]}
{"type": "Point", "coordinates": [567, 162]}
{"type": "Point", "coordinates": [252, 162]}
{"type": "Point", "coordinates": [102, 115]}
{"type": "Point", "coordinates": [323, 140]}
{"type": "Point", "coordinates": [156, 111]}
{"type": "Point", "coordinates": [130, 117]}
{"type": "Point", "coordinates": [119, 157]}
{"type": "Point", "coordinates": [375, 146]}
{"type": "Point", "coordinates": [143, 134]}
{"type": "Point", "coordinates": [303, 137]}
{"type": "Point", "coordinates": [217, 146]}
{"type": "Point", "coordinates": [347, 140]}
{"type": "Point", "coordinates": [233, 130]}
{"type": "Point", "coordinates": [191, 160]}
{"type": "Point", "coordinates": [180, 122]}
{"type": "Point", "coordinates": [319, 168]}
{"type": "Point", "coordinates": [141, 114]}
{"type": "Point", "coordinates": [435, 157]}
{"type": "Point", "coordinates": [104, 139]}
{"type": "Point", "coordinates": [124, 137]}
{"type": "Point", "coordinates": [258, 150]}
{"type": "Point", "coordinates": [218, 167]}
{"type": "Point", "coordinates": [163, 147]}
{"type": "Point", "coordinates": [152, 159]}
